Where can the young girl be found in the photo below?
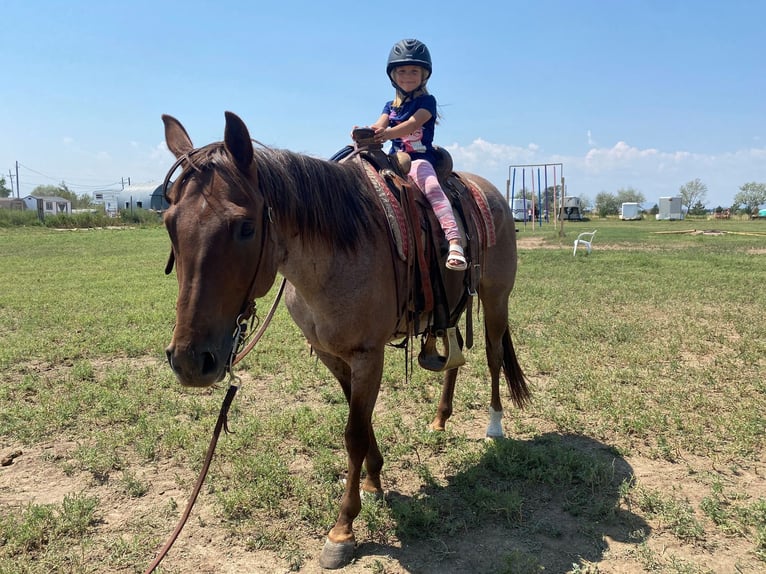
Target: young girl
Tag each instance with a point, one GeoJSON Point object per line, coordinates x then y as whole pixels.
{"type": "Point", "coordinates": [408, 121]}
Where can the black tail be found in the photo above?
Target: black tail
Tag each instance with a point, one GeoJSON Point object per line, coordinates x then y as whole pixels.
{"type": "Point", "coordinates": [514, 376]}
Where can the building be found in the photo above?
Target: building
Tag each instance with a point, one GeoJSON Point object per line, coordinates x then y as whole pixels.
{"type": "Point", "coordinates": [48, 205]}
{"type": "Point", "coordinates": [144, 196]}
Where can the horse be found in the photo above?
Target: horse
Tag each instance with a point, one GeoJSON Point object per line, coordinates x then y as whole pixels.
{"type": "Point", "coordinates": [239, 214]}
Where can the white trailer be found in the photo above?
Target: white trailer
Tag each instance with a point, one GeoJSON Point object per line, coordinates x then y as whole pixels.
{"type": "Point", "coordinates": [670, 209]}
{"type": "Point", "coordinates": [522, 209]}
{"type": "Point", "coordinates": [630, 211]}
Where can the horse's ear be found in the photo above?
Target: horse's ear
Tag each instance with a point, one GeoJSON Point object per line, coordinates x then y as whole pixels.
{"type": "Point", "coordinates": [237, 141]}
{"type": "Point", "coordinates": [177, 139]}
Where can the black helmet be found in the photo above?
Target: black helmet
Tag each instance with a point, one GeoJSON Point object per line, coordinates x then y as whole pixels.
{"type": "Point", "coordinates": [409, 53]}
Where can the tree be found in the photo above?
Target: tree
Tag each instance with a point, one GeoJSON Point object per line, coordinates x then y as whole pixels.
{"type": "Point", "coordinates": [610, 204]}
{"type": "Point", "coordinates": [606, 204]}
{"type": "Point", "coordinates": [752, 195]}
{"type": "Point", "coordinates": [4, 191]}
{"type": "Point", "coordinates": [692, 192]}
{"type": "Point", "coordinates": [698, 209]}
{"type": "Point", "coordinates": [629, 195]}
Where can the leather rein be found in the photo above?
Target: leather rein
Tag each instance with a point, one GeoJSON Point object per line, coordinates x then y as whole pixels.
{"type": "Point", "coordinates": [241, 346]}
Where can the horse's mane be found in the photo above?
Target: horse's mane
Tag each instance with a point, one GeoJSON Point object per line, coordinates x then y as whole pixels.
{"type": "Point", "coordinates": [326, 201]}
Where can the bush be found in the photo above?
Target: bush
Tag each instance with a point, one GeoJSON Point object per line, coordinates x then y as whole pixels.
{"type": "Point", "coordinates": [78, 220]}
{"type": "Point", "coordinates": [18, 218]}
{"type": "Point", "coordinates": [142, 217]}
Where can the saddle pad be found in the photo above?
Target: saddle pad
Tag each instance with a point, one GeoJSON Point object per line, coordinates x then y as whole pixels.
{"type": "Point", "coordinates": [486, 214]}
{"type": "Point", "coordinates": [392, 209]}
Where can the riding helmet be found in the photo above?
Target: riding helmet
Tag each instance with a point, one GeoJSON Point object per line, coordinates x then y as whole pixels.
{"type": "Point", "coordinates": [409, 52]}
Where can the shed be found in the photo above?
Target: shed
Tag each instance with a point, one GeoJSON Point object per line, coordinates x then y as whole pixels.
{"type": "Point", "coordinates": [51, 205]}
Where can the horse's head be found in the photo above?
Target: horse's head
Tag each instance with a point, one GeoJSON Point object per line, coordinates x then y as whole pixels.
{"type": "Point", "coordinates": [217, 222]}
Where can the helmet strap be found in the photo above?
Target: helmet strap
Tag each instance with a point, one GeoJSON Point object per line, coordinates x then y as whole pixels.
{"type": "Point", "coordinates": [406, 96]}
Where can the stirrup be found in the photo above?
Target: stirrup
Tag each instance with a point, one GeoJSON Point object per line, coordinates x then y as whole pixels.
{"type": "Point", "coordinates": [429, 358]}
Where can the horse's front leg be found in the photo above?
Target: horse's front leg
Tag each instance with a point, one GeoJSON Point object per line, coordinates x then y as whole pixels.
{"type": "Point", "coordinates": [374, 460]}
{"type": "Point", "coordinates": [366, 371]}
{"type": "Point", "coordinates": [444, 410]}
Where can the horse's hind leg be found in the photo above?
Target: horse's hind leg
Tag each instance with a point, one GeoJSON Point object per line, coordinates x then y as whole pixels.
{"type": "Point", "coordinates": [501, 357]}
{"type": "Point", "coordinates": [495, 326]}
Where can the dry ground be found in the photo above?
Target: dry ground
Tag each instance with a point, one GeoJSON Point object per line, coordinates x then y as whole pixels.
{"type": "Point", "coordinates": [206, 545]}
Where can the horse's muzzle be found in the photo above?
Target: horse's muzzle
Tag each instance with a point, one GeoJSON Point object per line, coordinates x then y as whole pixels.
{"type": "Point", "coordinates": [195, 369]}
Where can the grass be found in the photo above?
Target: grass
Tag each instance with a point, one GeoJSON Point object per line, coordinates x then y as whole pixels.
{"type": "Point", "coordinates": [650, 348]}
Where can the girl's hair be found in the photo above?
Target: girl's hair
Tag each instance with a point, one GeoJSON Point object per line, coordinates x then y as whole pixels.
{"type": "Point", "coordinates": [399, 97]}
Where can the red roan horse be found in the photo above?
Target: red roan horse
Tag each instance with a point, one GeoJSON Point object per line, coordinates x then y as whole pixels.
{"type": "Point", "coordinates": [239, 215]}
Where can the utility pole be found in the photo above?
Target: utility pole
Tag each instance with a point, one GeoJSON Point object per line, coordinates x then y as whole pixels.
{"type": "Point", "coordinates": [17, 180]}
{"type": "Point", "coordinates": [10, 177]}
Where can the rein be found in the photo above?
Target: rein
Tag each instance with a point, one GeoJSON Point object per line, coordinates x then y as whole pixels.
{"type": "Point", "coordinates": [222, 423]}
{"type": "Point", "coordinates": [240, 348]}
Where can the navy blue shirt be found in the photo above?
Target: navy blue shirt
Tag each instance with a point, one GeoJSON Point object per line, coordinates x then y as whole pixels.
{"type": "Point", "coordinates": [418, 144]}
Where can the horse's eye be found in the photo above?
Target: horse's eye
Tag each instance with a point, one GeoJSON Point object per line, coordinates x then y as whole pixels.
{"type": "Point", "coordinates": [247, 230]}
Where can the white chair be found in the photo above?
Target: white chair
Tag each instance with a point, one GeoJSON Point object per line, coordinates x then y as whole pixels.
{"type": "Point", "coordinates": [585, 238]}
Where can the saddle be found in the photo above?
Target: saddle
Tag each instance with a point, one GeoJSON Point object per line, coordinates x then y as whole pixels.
{"type": "Point", "coordinates": [418, 240]}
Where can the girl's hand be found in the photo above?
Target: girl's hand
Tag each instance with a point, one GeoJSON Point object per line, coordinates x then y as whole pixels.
{"type": "Point", "coordinates": [380, 135]}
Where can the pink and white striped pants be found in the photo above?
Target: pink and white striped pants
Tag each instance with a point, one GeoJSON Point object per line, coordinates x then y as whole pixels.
{"type": "Point", "coordinates": [424, 175]}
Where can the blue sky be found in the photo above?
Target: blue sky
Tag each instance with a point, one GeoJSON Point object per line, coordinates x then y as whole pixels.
{"type": "Point", "coordinates": [647, 94]}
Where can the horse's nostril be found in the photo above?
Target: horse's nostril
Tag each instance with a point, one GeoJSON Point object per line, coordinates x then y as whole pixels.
{"type": "Point", "coordinates": [169, 356]}
{"type": "Point", "coordinates": [209, 363]}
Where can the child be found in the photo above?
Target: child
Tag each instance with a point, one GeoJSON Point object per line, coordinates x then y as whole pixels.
{"type": "Point", "coordinates": [409, 121]}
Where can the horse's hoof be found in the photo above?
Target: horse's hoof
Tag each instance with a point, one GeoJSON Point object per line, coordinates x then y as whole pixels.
{"type": "Point", "coordinates": [436, 427]}
{"type": "Point", "coordinates": [336, 554]}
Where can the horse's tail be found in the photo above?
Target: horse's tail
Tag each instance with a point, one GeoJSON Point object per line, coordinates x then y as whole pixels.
{"type": "Point", "coordinates": [514, 376]}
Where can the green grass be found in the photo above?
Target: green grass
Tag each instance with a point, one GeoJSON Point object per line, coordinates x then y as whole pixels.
{"type": "Point", "coordinates": [651, 347]}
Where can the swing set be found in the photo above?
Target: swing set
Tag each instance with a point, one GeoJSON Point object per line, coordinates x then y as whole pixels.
{"type": "Point", "coordinates": [538, 205]}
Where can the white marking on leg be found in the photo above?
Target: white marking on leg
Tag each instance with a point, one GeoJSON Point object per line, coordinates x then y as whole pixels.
{"type": "Point", "coordinates": [495, 426]}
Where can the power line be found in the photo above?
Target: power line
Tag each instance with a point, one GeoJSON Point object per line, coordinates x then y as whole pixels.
{"type": "Point", "coordinates": [70, 185]}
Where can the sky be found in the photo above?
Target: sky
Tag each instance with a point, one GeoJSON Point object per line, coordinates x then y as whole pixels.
{"type": "Point", "coordinates": [641, 94]}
